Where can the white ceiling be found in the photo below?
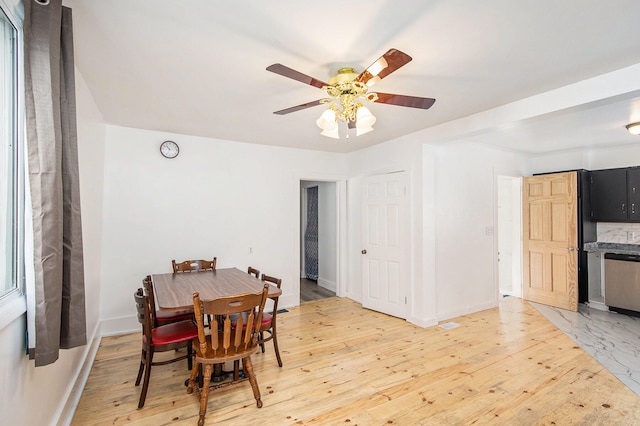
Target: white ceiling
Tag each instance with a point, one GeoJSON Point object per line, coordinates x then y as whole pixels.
{"type": "Point", "coordinates": [198, 66]}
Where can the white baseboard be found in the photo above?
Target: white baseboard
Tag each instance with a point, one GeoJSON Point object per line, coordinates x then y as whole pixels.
{"type": "Point", "coordinates": [119, 326]}
{"type": "Point", "coordinates": [111, 327]}
{"type": "Point", "coordinates": [329, 285]}
{"type": "Point", "coordinates": [466, 310]}
{"type": "Point", "coordinates": [422, 322]}
{"type": "Point", "coordinates": [598, 305]}
{"type": "Point", "coordinates": [81, 375]}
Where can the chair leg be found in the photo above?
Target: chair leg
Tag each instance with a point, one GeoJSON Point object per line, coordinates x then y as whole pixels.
{"type": "Point", "coordinates": [141, 369]}
{"type": "Point", "coordinates": [275, 345]}
{"type": "Point", "coordinates": [147, 375]}
{"type": "Point", "coordinates": [261, 337]}
{"type": "Point", "coordinates": [193, 377]}
{"type": "Point", "coordinates": [248, 371]}
{"type": "Point", "coordinates": [190, 356]}
{"type": "Point", "coordinates": [204, 394]}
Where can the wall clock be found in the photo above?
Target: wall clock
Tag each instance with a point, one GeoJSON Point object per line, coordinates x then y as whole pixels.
{"type": "Point", "coordinates": [169, 149]}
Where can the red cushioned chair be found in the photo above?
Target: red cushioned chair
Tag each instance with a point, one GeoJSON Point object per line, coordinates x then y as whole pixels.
{"type": "Point", "coordinates": [160, 339]}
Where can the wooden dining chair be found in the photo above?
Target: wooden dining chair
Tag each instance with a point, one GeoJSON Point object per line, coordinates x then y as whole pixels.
{"type": "Point", "coordinates": [194, 265]}
{"type": "Point", "coordinates": [162, 317]}
{"type": "Point", "coordinates": [253, 271]}
{"type": "Point", "coordinates": [162, 338]}
{"type": "Point", "coordinates": [226, 342]}
{"type": "Point", "coordinates": [268, 324]}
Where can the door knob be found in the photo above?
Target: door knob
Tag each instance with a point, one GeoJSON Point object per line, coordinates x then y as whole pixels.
{"type": "Point", "coordinates": [570, 248]}
{"type": "Point", "coordinates": [363, 252]}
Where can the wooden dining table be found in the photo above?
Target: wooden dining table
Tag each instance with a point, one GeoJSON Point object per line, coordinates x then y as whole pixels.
{"type": "Point", "coordinates": [174, 291]}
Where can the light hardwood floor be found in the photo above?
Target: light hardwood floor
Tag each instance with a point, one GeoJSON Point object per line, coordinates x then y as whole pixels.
{"type": "Point", "coordinates": [347, 365]}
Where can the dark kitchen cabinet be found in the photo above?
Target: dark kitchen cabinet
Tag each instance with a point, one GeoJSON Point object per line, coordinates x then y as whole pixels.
{"type": "Point", "coordinates": [609, 195]}
{"type": "Point", "coordinates": [633, 193]}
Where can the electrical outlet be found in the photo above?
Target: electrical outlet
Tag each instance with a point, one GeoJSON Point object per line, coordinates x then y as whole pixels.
{"type": "Point", "coordinates": [631, 236]}
{"type": "Point", "coordinates": [250, 250]}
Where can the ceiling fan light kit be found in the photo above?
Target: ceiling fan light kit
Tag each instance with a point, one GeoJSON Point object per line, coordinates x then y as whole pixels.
{"type": "Point", "coordinates": [633, 128]}
{"type": "Point", "coordinates": [348, 90]}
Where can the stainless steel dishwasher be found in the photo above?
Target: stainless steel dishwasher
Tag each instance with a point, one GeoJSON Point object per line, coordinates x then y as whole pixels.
{"type": "Point", "coordinates": [622, 283]}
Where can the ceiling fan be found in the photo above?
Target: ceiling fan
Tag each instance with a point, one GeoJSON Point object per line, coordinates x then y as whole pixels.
{"type": "Point", "coordinates": [348, 89]}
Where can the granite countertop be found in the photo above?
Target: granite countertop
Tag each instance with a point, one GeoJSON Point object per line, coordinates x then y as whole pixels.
{"type": "Point", "coordinates": [617, 248]}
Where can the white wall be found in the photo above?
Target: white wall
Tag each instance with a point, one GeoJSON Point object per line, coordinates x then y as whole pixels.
{"type": "Point", "coordinates": [453, 220]}
{"type": "Point", "coordinates": [466, 224]}
{"type": "Point", "coordinates": [589, 159]}
{"type": "Point", "coordinates": [217, 198]}
{"type": "Point", "coordinates": [327, 235]}
{"type": "Point", "coordinates": [620, 156]}
{"type": "Point", "coordinates": [91, 152]}
{"type": "Point", "coordinates": [40, 396]}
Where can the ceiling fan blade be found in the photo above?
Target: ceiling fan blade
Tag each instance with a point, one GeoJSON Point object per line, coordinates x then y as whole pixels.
{"type": "Point", "coordinates": [385, 65]}
{"type": "Point", "coordinates": [298, 107]}
{"type": "Point", "coordinates": [405, 101]}
{"type": "Point", "coordinates": [296, 75]}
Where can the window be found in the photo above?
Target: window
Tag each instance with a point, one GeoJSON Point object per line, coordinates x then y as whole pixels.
{"type": "Point", "coordinates": [11, 198]}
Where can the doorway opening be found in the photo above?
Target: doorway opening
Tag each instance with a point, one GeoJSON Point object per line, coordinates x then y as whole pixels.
{"type": "Point", "coordinates": [510, 236]}
{"type": "Point", "coordinates": [318, 240]}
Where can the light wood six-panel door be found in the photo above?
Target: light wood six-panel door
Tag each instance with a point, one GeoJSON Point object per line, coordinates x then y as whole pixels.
{"type": "Point", "coordinates": [550, 237]}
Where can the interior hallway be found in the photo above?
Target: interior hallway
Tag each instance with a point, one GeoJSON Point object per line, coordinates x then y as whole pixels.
{"type": "Point", "coordinates": [310, 290]}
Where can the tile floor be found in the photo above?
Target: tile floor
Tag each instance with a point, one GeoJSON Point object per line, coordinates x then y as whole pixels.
{"type": "Point", "coordinates": [612, 339]}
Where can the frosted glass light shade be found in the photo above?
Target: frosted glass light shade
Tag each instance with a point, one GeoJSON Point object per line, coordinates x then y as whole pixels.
{"type": "Point", "coordinates": [327, 120]}
{"type": "Point", "coordinates": [364, 118]}
{"type": "Point", "coordinates": [331, 133]}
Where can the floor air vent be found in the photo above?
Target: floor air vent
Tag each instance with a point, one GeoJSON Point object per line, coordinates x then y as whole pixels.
{"type": "Point", "coordinates": [449, 325]}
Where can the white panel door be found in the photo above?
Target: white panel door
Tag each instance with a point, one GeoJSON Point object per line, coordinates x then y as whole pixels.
{"type": "Point", "coordinates": [384, 248]}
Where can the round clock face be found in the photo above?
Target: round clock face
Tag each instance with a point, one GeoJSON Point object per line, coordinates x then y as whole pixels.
{"type": "Point", "coordinates": [169, 149]}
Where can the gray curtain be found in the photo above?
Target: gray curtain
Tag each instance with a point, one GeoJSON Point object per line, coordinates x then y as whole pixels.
{"type": "Point", "coordinates": [60, 321]}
